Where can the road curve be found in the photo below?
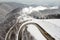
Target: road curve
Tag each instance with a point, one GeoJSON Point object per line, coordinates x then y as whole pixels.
{"type": "Point", "coordinates": [43, 32]}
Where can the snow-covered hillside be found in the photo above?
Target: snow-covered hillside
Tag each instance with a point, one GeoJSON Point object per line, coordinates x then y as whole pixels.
{"type": "Point", "coordinates": [51, 26]}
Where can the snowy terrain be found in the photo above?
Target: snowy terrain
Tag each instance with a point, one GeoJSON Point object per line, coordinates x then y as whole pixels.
{"type": "Point", "coordinates": [51, 26]}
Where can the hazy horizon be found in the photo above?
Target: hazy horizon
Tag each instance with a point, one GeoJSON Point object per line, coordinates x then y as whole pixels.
{"type": "Point", "coordinates": [37, 2]}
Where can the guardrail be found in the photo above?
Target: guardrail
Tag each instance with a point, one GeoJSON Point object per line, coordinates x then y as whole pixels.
{"type": "Point", "coordinates": [16, 31]}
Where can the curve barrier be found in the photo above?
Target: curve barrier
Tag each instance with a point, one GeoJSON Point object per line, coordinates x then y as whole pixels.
{"type": "Point", "coordinates": [16, 31]}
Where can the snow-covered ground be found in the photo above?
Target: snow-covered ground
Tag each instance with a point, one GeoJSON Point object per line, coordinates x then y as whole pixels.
{"type": "Point", "coordinates": [35, 32]}
{"type": "Point", "coordinates": [52, 26]}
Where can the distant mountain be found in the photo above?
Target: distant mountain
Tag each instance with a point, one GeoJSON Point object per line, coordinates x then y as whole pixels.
{"type": "Point", "coordinates": [7, 7]}
{"type": "Point", "coordinates": [10, 9]}
{"type": "Point", "coordinates": [46, 14]}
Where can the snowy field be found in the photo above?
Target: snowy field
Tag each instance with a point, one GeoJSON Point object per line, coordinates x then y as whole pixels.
{"type": "Point", "coordinates": [50, 25]}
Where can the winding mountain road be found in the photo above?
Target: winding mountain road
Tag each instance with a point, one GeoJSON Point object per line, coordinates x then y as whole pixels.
{"type": "Point", "coordinates": [11, 31]}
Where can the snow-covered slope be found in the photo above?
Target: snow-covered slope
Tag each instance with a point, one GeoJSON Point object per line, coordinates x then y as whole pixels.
{"type": "Point", "coordinates": [52, 28]}
{"type": "Point", "coordinates": [49, 25]}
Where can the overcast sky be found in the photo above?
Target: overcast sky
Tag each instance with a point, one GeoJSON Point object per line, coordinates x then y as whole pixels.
{"type": "Point", "coordinates": [33, 1]}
